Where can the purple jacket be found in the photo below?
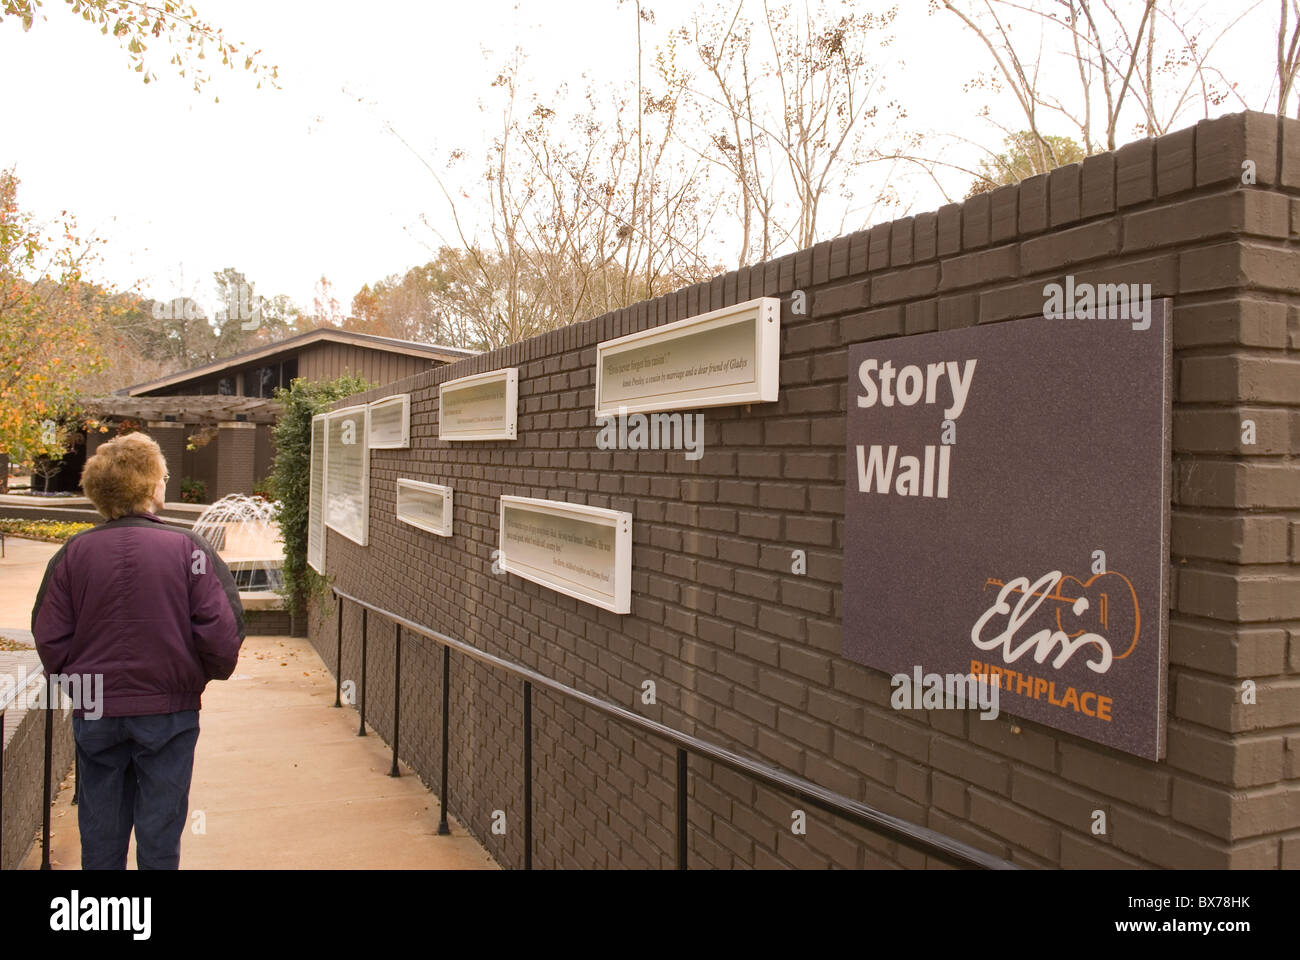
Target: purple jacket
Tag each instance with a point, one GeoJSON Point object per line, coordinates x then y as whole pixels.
{"type": "Point", "coordinates": [149, 606]}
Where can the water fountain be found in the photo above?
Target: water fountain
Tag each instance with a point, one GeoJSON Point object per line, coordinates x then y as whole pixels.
{"type": "Point", "coordinates": [244, 533]}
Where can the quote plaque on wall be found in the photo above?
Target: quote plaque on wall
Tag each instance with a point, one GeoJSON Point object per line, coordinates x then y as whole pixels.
{"type": "Point", "coordinates": [347, 474]}
{"type": "Point", "coordinates": [424, 505]}
{"type": "Point", "coordinates": [316, 495]}
{"type": "Point", "coordinates": [583, 552]}
{"type": "Point", "coordinates": [480, 407]}
{"type": "Point", "coordinates": [721, 358]}
{"type": "Point", "coordinates": [390, 423]}
{"type": "Point", "coordinates": [1007, 515]}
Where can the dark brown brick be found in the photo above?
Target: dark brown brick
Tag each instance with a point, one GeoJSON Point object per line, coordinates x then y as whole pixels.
{"type": "Point", "coordinates": [840, 299]}
{"type": "Point", "coordinates": [1097, 189]}
{"type": "Point", "coordinates": [1238, 321]}
{"type": "Point", "coordinates": [983, 267]}
{"type": "Point", "coordinates": [975, 214]}
{"type": "Point", "coordinates": [1241, 266]}
{"type": "Point", "coordinates": [1062, 248]}
{"type": "Point", "coordinates": [1004, 213]}
{"type": "Point", "coordinates": [878, 247]}
{"type": "Point", "coordinates": [1176, 162]}
{"type": "Point", "coordinates": [1224, 144]}
{"type": "Point", "coordinates": [908, 284]}
{"type": "Point", "coordinates": [1033, 204]}
{"type": "Point", "coordinates": [1135, 173]}
{"type": "Point", "coordinates": [1241, 212]}
{"type": "Point", "coordinates": [949, 230]}
{"type": "Point", "coordinates": [900, 242]}
{"type": "Point", "coordinates": [1063, 194]}
{"type": "Point", "coordinates": [1290, 148]}
{"type": "Point", "coordinates": [925, 232]}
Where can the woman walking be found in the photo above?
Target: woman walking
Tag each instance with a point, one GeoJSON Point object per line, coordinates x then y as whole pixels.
{"type": "Point", "coordinates": [153, 610]}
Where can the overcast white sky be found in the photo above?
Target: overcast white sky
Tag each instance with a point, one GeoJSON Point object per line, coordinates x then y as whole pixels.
{"type": "Point", "coordinates": [290, 184]}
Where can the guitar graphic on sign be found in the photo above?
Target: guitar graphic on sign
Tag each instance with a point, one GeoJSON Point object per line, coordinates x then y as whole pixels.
{"type": "Point", "coordinates": [1086, 613]}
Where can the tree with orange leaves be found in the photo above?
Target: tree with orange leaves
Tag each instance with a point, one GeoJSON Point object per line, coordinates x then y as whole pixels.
{"type": "Point", "coordinates": [49, 316]}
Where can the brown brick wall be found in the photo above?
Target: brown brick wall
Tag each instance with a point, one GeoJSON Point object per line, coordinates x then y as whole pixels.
{"type": "Point", "coordinates": [746, 654]}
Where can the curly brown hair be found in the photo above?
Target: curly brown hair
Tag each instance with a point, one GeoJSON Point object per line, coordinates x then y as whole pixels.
{"type": "Point", "coordinates": [120, 478]}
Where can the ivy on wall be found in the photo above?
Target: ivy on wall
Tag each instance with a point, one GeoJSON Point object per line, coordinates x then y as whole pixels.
{"type": "Point", "coordinates": [290, 480]}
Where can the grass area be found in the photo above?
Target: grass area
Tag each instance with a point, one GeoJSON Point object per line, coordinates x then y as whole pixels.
{"type": "Point", "coordinates": [54, 531]}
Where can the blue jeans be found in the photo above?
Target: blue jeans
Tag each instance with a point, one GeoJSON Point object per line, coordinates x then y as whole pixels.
{"type": "Point", "coordinates": [134, 771]}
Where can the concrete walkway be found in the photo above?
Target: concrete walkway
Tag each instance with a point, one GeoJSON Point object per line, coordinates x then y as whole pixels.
{"type": "Point", "coordinates": [282, 781]}
{"type": "Point", "coordinates": [21, 572]}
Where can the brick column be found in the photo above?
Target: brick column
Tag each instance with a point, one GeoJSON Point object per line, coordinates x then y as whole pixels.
{"type": "Point", "coordinates": [236, 450]}
{"type": "Point", "coordinates": [171, 439]}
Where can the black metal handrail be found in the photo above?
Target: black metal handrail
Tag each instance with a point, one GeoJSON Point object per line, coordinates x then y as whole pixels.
{"type": "Point", "coordinates": [927, 841]}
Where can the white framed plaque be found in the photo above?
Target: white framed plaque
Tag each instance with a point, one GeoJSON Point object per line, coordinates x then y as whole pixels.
{"type": "Point", "coordinates": [316, 496]}
{"type": "Point", "coordinates": [424, 505]}
{"type": "Point", "coordinates": [347, 474]}
{"type": "Point", "coordinates": [484, 406]}
{"type": "Point", "coordinates": [717, 359]}
{"type": "Point", "coordinates": [390, 423]}
{"type": "Point", "coordinates": [582, 552]}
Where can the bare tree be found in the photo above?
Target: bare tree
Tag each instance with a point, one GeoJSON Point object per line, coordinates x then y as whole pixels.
{"type": "Point", "coordinates": [580, 213]}
{"type": "Point", "coordinates": [1288, 55]}
{"type": "Point", "coordinates": [794, 116]}
{"type": "Point", "coordinates": [1146, 60]}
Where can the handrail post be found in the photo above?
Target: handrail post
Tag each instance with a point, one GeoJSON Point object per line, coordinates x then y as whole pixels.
{"type": "Point", "coordinates": [443, 829]}
{"type": "Point", "coordinates": [76, 780]}
{"type": "Point", "coordinates": [49, 764]}
{"type": "Point", "coordinates": [361, 732]}
{"type": "Point", "coordinates": [2, 785]}
{"type": "Point", "coordinates": [682, 823]}
{"type": "Point", "coordinates": [397, 693]}
{"type": "Point", "coordinates": [338, 657]}
{"type": "Point", "coordinates": [528, 775]}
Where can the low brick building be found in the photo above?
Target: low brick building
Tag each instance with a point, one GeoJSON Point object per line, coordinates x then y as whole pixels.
{"type": "Point", "coordinates": [239, 451]}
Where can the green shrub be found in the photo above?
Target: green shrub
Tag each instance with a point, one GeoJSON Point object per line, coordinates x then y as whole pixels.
{"type": "Point", "coordinates": [194, 491]}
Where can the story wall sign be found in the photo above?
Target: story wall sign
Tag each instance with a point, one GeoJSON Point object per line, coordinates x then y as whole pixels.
{"type": "Point", "coordinates": [480, 407]}
{"type": "Point", "coordinates": [721, 358]}
{"type": "Point", "coordinates": [1007, 515]}
{"type": "Point", "coordinates": [583, 552]}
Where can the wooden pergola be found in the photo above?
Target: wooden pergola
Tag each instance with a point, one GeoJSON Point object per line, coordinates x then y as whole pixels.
{"type": "Point", "coordinates": [204, 410]}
